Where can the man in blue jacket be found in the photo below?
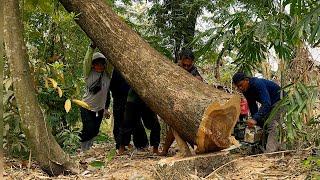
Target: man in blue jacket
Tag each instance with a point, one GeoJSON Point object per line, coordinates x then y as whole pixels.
{"type": "Point", "coordinates": [267, 93]}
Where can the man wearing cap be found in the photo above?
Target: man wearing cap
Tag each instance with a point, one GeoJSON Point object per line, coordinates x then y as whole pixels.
{"type": "Point", "coordinates": [97, 84]}
{"type": "Point", "coordinates": [267, 93]}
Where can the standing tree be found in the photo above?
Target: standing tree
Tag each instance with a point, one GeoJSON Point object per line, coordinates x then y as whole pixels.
{"type": "Point", "coordinates": [1, 87]}
{"type": "Point", "coordinates": [176, 20]}
{"type": "Point", "coordinates": [199, 113]}
{"type": "Point", "coordinates": [43, 146]}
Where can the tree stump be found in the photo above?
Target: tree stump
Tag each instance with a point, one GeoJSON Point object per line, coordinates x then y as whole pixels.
{"type": "Point", "coordinates": [186, 168]}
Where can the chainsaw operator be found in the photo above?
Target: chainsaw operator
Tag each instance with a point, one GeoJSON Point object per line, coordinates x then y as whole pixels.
{"type": "Point", "coordinates": [267, 93]}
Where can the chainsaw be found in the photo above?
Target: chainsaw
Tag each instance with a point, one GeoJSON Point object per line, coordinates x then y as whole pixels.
{"type": "Point", "coordinates": [248, 135]}
{"type": "Point", "coordinates": [253, 135]}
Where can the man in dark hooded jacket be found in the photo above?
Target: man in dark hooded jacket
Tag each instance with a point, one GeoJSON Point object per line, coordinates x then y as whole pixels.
{"type": "Point", "coordinates": [267, 93]}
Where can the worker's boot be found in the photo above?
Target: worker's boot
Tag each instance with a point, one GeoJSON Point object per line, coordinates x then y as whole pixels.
{"type": "Point", "coordinates": [86, 145]}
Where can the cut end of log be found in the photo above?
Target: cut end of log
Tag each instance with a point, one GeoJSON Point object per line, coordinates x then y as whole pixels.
{"type": "Point", "coordinates": [217, 124]}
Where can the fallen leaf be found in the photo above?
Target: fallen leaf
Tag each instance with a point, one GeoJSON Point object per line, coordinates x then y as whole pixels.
{"type": "Point", "coordinates": [67, 105]}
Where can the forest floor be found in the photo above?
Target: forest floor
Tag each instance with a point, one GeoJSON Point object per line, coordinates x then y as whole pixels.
{"type": "Point", "coordinates": [101, 163]}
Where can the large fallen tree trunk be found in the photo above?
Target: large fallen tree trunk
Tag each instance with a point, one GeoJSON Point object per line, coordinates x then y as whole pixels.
{"type": "Point", "coordinates": [199, 113]}
{"type": "Point", "coordinates": [42, 144]}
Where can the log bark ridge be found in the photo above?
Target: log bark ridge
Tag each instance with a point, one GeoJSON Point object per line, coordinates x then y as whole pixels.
{"type": "Point", "coordinates": [180, 99]}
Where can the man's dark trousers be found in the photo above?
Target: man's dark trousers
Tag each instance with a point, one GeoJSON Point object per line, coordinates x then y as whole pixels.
{"type": "Point", "coordinates": [91, 123]}
{"type": "Point", "coordinates": [133, 114]}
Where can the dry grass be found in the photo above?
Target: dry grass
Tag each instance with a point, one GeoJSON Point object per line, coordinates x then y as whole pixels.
{"type": "Point", "coordinates": [141, 165]}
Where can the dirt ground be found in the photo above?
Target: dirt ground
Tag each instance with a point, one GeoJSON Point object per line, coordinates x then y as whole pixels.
{"type": "Point", "coordinates": [274, 166]}
{"type": "Point", "coordinates": [101, 162]}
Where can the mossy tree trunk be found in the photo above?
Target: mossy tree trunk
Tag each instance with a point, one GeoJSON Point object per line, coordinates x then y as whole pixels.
{"type": "Point", "coordinates": [41, 142]}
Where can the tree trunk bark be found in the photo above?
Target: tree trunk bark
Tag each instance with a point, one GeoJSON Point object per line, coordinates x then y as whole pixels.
{"type": "Point", "coordinates": [42, 144]}
{"type": "Point", "coordinates": [1, 87]}
{"type": "Point", "coordinates": [266, 71]}
{"type": "Point", "coordinates": [218, 64]}
{"type": "Point", "coordinates": [199, 113]}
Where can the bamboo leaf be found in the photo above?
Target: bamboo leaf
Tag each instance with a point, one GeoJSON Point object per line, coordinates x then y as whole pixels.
{"type": "Point", "coordinates": [290, 128]}
{"type": "Point", "coordinates": [292, 109]}
{"type": "Point", "coordinates": [302, 106]}
{"type": "Point", "coordinates": [298, 121]}
{"type": "Point", "coordinates": [314, 32]}
{"type": "Point", "coordinates": [291, 99]}
{"type": "Point", "coordinates": [298, 97]}
{"type": "Point", "coordinates": [299, 6]}
{"type": "Point", "coordinates": [275, 110]}
{"type": "Point", "coordinates": [287, 86]}
{"type": "Point", "coordinates": [285, 102]}
{"type": "Point", "coordinates": [303, 88]}
{"type": "Point", "coordinates": [67, 105]}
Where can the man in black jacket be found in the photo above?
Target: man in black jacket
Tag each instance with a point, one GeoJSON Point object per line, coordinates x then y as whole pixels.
{"type": "Point", "coordinates": [119, 89]}
{"type": "Point", "coordinates": [137, 110]}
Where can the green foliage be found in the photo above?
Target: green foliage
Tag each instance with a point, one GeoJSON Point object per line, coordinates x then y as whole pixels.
{"type": "Point", "coordinates": [111, 155]}
{"type": "Point", "coordinates": [97, 164]}
{"type": "Point", "coordinates": [251, 52]}
{"type": "Point", "coordinates": [56, 46]}
{"type": "Point", "coordinates": [307, 19]}
{"type": "Point", "coordinates": [312, 163]}
{"type": "Point", "coordinates": [252, 28]}
{"type": "Point", "coordinates": [300, 124]}
{"type": "Point", "coordinates": [102, 138]}
{"type": "Point", "coordinates": [14, 139]}
{"type": "Point", "coordinates": [69, 139]}
{"type": "Point", "coordinates": [175, 21]}
{"type": "Point", "coordinates": [63, 45]}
